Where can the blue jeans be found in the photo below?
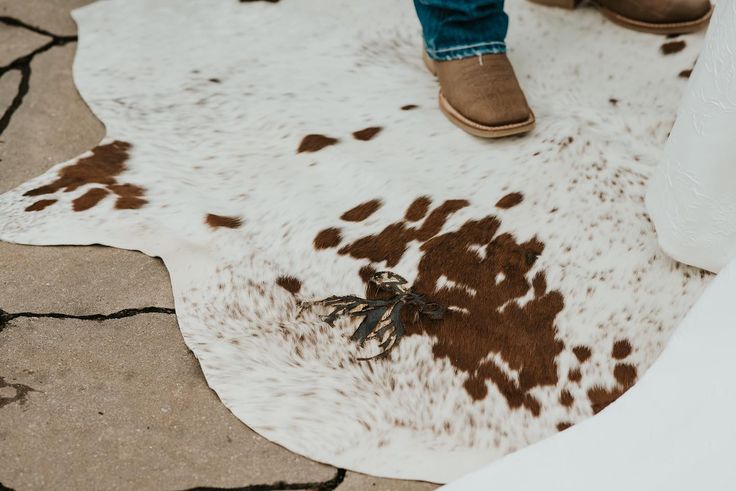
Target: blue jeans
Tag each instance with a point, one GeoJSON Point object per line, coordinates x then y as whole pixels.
{"type": "Point", "coordinates": [455, 29]}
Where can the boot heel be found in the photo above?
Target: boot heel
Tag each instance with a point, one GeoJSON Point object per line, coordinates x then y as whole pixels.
{"type": "Point", "coordinates": [565, 4]}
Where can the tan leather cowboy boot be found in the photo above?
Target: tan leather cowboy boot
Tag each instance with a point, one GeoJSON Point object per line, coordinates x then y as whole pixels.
{"type": "Point", "coordinates": [655, 16]}
{"type": "Point", "coordinates": [481, 95]}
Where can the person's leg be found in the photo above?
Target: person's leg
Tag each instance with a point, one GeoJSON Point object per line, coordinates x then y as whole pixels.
{"type": "Point", "coordinates": [455, 29]}
{"type": "Point", "coordinates": [465, 47]}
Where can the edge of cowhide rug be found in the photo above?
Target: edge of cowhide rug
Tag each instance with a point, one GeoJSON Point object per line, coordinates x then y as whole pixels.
{"type": "Point", "coordinates": [276, 154]}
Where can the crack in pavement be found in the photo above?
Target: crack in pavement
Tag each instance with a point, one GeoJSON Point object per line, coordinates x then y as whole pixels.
{"type": "Point", "coordinates": [281, 485]}
{"type": "Point", "coordinates": [328, 485]}
{"type": "Point", "coordinates": [6, 317]}
{"type": "Point", "coordinates": [23, 65]}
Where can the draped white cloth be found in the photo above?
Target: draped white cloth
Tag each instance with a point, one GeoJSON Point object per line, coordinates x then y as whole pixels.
{"type": "Point", "coordinates": [692, 195]}
{"type": "Point", "coordinates": [674, 430]}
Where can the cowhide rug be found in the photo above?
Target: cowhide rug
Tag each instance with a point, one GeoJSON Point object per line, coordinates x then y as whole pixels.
{"type": "Point", "coordinates": [275, 154]}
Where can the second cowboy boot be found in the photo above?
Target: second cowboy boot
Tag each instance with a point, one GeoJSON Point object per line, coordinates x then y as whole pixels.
{"type": "Point", "coordinates": [481, 95]}
{"type": "Point", "coordinates": [654, 16]}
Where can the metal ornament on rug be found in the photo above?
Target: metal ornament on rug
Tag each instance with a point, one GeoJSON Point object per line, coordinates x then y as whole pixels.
{"type": "Point", "coordinates": [381, 317]}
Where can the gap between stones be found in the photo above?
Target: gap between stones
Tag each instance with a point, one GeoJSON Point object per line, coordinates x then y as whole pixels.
{"type": "Point", "coordinates": [23, 65]}
{"type": "Point", "coordinates": [6, 317]}
{"type": "Point", "coordinates": [281, 485]}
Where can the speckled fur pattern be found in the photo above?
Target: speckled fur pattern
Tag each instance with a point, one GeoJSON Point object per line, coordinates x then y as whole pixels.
{"type": "Point", "coordinates": [215, 98]}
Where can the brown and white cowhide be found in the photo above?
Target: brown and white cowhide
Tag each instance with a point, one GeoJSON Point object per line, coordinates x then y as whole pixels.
{"type": "Point", "coordinates": [274, 154]}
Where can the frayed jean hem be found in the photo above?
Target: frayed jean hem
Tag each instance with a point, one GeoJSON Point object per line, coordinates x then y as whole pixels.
{"type": "Point", "coordinates": [466, 51]}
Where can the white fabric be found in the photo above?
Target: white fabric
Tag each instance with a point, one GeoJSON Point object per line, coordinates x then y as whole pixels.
{"type": "Point", "coordinates": [672, 431]}
{"type": "Point", "coordinates": [692, 196]}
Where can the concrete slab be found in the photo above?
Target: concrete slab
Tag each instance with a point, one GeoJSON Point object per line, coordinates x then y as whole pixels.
{"type": "Point", "coordinates": [52, 124]}
{"type": "Point", "coordinates": [8, 87]}
{"type": "Point", "coordinates": [80, 280]}
{"type": "Point", "coordinates": [122, 404]}
{"type": "Point", "coordinates": [360, 482]}
{"type": "Point", "coordinates": [53, 16]}
{"type": "Point", "coordinates": [15, 42]}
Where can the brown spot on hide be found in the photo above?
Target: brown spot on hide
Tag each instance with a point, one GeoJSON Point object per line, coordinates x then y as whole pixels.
{"type": "Point", "coordinates": [582, 353]}
{"type": "Point", "coordinates": [89, 199]}
{"type": "Point", "coordinates": [514, 395]}
{"type": "Point", "coordinates": [327, 238]}
{"type": "Point", "coordinates": [524, 336]}
{"type": "Point", "coordinates": [672, 47]}
{"type": "Point", "coordinates": [484, 316]}
{"type": "Point", "coordinates": [315, 143]}
{"type": "Point", "coordinates": [409, 107]}
{"type": "Point", "coordinates": [574, 375]}
{"type": "Point", "coordinates": [418, 209]}
{"type": "Point", "coordinates": [625, 374]}
{"type": "Point", "coordinates": [41, 205]}
{"type": "Point", "coordinates": [600, 397]}
{"type": "Point", "coordinates": [361, 212]}
{"type": "Point", "coordinates": [510, 200]}
{"type": "Point", "coordinates": [563, 426]}
{"type": "Point", "coordinates": [105, 163]}
{"type": "Point", "coordinates": [367, 133]}
{"type": "Point", "coordinates": [129, 196]}
{"type": "Point", "coordinates": [217, 221]}
{"type": "Point", "coordinates": [289, 283]}
{"type": "Point", "coordinates": [391, 243]}
{"type": "Point", "coordinates": [621, 349]}
{"type": "Point", "coordinates": [366, 273]}
{"type": "Point", "coordinates": [685, 73]}
{"type": "Point", "coordinates": [566, 398]}
{"type": "Point", "coordinates": [103, 167]}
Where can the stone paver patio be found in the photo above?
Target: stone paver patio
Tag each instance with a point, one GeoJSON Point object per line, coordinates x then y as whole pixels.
{"type": "Point", "coordinates": [97, 389]}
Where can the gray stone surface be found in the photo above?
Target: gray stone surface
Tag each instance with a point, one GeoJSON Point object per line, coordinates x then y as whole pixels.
{"type": "Point", "coordinates": [80, 280]}
{"type": "Point", "coordinates": [360, 482]}
{"type": "Point", "coordinates": [118, 403]}
{"type": "Point", "coordinates": [52, 125]}
{"type": "Point", "coordinates": [15, 42]}
{"type": "Point", "coordinates": [8, 84]}
{"type": "Point", "coordinates": [52, 16]}
{"type": "Point", "coordinates": [122, 404]}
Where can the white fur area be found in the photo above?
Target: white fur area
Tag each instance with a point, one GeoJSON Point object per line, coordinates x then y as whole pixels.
{"type": "Point", "coordinates": [332, 67]}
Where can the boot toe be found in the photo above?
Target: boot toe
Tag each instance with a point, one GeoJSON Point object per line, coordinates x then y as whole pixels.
{"type": "Point", "coordinates": [690, 10]}
{"type": "Point", "coordinates": [484, 90]}
{"type": "Point", "coordinates": [659, 11]}
{"type": "Point", "coordinates": [504, 109]}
